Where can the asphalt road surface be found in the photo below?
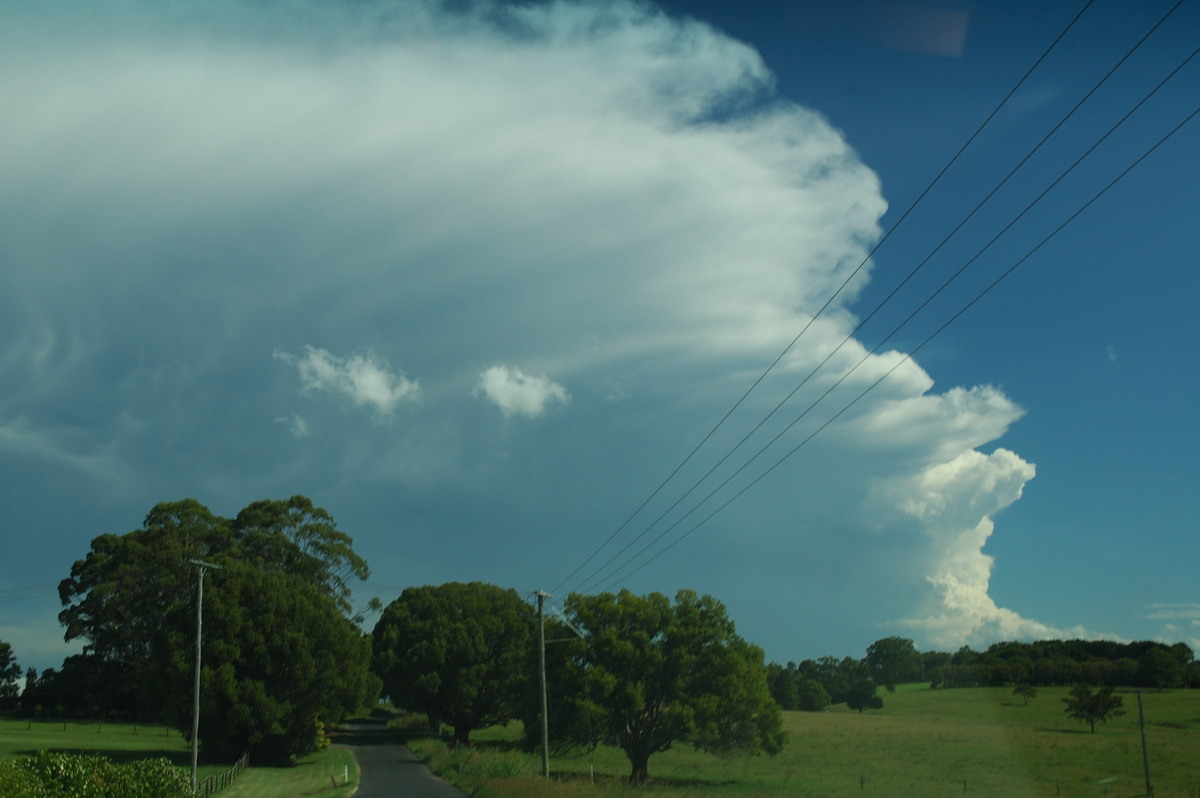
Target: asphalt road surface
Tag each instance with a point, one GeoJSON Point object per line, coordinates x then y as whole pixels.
{"type": "Point", "coordinates": [389, 769]}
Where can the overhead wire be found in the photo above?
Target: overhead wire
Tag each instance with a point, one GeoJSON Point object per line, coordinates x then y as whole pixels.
{"type": "Point", "coordinates": [820, 311]}
{"type": "Point", "coordinates": [595, 575]}
{"type": "Point", "coordinates": [908, 356]}
{"type": "Point", "coordinates": [866, 319]}
{"type": "Point", "coordinates": [21, 592]}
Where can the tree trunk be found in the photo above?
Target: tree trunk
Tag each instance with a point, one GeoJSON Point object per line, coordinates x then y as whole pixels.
{"type": "Point", "coordinates": [640, 767]}
{"type": "Point", "coordinates": [462, 735]}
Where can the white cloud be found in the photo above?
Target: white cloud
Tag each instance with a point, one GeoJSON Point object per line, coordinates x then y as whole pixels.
{"type": "Point", "coordinates": [517, 393]}
{"type": "Point", "coordinates": [594, 188]}
{"type": "Point", "coordinates": [1175, 611]}
{"type": "Point", "coordinates": [364, 379]}
{"type": "Point", "coordinates": [953, 503]}
{"type": "Point", "coordinates": [297, 425]}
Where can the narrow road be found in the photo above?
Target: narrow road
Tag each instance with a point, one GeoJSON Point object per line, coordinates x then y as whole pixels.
{"type": "Point", "coordinates": [389, 769]}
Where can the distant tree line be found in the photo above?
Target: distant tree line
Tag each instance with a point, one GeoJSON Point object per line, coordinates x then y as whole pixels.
{"type": "Point", "coordinates": [813, 685]}
{"type": "Point", "coordinates": [1048, 663]}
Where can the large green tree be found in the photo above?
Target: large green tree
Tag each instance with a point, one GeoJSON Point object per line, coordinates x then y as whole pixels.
{"type": "Point", "coordinates": [893, 660]}
{"type": "Point", "coordinates": [458, 652]}
{"type": "Point", "coordinates": [280, 654]}
{"type": "Point", "coordinates": [281, 661]}
{"type": "Point", "coordinates": [656, 672]}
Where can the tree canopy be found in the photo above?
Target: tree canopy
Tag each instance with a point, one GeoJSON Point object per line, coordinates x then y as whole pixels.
{"type": "Point", "coordinates": [1093, 707]}
{"type": "Point", "coordinates": [10, 672]}
{"type": "Point", "coordinates": [793, 690]}
{"type": "Point", "coordinates": [458, 652]}
{"type": "Point", "coordinates": [862, 696]}
{"type": "Point", "coordinates": [892, 661]}
{"type": "Point", "coordinates": [280, 655]}
{"type": "Point", "coordinates": [656, 672]}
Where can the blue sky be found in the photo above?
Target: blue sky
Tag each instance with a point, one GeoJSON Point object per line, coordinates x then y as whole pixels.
{"type": "Point", "coordinates": [478, 280]}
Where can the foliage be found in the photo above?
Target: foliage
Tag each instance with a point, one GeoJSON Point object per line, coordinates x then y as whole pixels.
{"type": "Point", "coordinates": [892, 661]}
{"type": "Point", "coordinates": [811, 696]}
{"type": "Point", "coordinates": [296, 537]}
{"type": "Point", "coordinates": [835, 676]}
{"type": "Point", "coordinates": [655, 672]}
{"type": "Point", "coordinates": [278, 647]}
{"type": "Point", "coordinates": [1065, 662]}
{"type": "Point", "coordinates": [268, 686]}
{"type": "Point", "coordinates": [457, 652]}
{"type": "Point", "coordinates": [10, 672]}
{"type": "Point", "coordinates": [86, 686]}
{"type": "Point", "coordinates": [1088, 707]}
{"type": "Point", "coordinates": [862, 696]}
{"type": "Point", "coordinates": [792, 690]}
{"type": "Point", "coordinates": [59, 775]}
{"type": "Point", "coordinates": [1026, 691]}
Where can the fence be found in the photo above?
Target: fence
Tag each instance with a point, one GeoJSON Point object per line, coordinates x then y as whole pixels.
{"type": "Point", "coordinates": [212, 784]}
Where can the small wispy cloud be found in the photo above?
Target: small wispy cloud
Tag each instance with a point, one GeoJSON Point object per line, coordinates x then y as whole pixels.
{"type": "Point", "coordinates": [365, 379]}
{"type": "Point", "coordinates": [1162, 612]}
{"type": "Point", "coordinates": [297, 425]}
{"type": "Point", "coordinates": [518, 393]}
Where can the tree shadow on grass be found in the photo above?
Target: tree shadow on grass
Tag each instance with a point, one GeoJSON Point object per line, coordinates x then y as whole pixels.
{"type": "Point", "coordinates": [603, 779]}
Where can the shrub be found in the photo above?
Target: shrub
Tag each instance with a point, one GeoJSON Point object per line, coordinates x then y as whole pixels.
{"type": "Point", "coordinates": [48, 775]}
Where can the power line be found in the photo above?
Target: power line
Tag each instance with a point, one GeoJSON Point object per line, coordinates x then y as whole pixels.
{"type": "Point", "coordinates": [812, 320]}
{"type": "Point", "coordinates": [907, 357]}
{"type": "Point", "coordinates": [22, 592]}
{"type": "Point", "coordinates": [595, 575]}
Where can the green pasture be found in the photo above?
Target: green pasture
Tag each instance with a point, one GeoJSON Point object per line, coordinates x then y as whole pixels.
{"type": "Point", "coordinates": [312, 777]}
{"type": "Point", "coordinates": [924, 742]}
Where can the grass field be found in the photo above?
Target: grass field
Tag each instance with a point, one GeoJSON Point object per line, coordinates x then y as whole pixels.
{"type": "Point", "coordinates": [310, 778]}
{"type": "Point", "coordinates": [924, 742]}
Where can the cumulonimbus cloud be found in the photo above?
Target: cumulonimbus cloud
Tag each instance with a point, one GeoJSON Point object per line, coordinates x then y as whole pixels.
{"type": "Point", "coordinates": [642, 212]}
{"type": "Point", "coordinates": [518, 393]}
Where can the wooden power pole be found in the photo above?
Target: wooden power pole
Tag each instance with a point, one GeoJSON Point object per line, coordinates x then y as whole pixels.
{"type": "Point", "coordinates": [541, 597]}
{"type": "Point", "coordinates": [201, 567]}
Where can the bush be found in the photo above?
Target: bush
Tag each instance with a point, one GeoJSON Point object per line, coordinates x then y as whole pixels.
{"type": "Point", "coordinates": [48, 775]}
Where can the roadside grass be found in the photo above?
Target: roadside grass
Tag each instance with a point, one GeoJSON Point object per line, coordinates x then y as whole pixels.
{"type": "Point", "coordinates": [316, 776]}
{"type": "Point", "coordinates": [125, 742]}
{"type": "Point", "coordinates": [981, 741]}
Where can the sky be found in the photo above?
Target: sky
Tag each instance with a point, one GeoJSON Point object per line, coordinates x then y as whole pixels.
{"type": "Point", "coordinates": [581, 296]}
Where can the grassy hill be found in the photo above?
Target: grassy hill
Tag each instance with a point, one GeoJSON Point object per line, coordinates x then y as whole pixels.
{"type": "Point", "coordinates": [978, 741]}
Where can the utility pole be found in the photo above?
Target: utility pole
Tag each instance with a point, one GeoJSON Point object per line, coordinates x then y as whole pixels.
{"type": "Point", "coordinates": [201, 567]}
{"type": "Point", "coordinates": [541, 597]}
{"type": "Point", "coordinates": [1145, 755]}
